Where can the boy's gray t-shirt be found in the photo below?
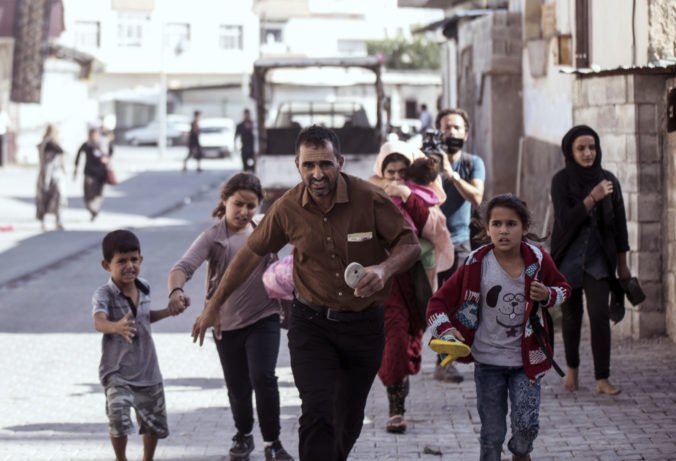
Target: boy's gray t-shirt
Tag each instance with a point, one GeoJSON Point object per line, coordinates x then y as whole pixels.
{"type": "Point", "coordinates": [498, 339]}
{"type": "Point", "coordinates": [132, 363]}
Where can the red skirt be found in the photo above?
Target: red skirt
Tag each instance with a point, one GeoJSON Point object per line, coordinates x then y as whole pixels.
{"type": "Point", "coordinates": [403, 333]}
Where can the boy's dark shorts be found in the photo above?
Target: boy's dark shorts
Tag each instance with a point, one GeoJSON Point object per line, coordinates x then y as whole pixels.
{"type": "Point", "coordinates": [148, 401]}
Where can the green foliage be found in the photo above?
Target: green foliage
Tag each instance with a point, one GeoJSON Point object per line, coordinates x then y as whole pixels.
{"type": "Point", "coordinates": [402, 54]}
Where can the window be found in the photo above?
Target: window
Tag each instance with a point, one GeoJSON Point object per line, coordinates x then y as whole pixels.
{"type": "Point", "coordinates": [130, 29]}
{"type": "Point", "coordinates": [178, 37]}
{"type": "Point", "coordinates": [351, 48]}
{"type": "Point", "coordinates": [230, 37]}
{"type": "Point", "coordinates": [272, 32]}
{"type": "Point", "coordinates": [87, 34]}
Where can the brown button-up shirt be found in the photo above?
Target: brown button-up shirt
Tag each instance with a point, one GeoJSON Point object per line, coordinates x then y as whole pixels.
{"type": "Point", "coordinates": [363, 225]}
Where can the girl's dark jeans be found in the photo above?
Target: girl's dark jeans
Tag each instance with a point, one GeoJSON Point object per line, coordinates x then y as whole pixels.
{"type": "Point", "coordinates": [248, 357]}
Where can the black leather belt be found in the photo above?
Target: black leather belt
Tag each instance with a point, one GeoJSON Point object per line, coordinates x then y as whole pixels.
{"type": "Point", "coordinates": [335, 315]}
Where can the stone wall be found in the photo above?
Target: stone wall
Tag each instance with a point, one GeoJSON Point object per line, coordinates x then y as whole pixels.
{"type": "Point", "coordinates": [489, 89]}
{"type": "Point", "coordinates": [540, 161]}
{"type": "Point", "coordinates": [670, 227]}
{"type": "Point", "coordinates": [662, 30]}
{"type": "Point", "coordinates": [628, 112]}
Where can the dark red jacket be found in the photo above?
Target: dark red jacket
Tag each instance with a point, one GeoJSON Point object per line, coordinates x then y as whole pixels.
{"type": "Point", "coordinates": [457, 302]}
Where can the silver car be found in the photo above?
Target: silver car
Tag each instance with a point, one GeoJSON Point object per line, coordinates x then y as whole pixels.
{"type": "Point", "coordinates": [178, 127]}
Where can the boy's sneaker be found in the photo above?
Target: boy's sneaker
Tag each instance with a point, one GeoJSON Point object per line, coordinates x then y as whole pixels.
{"type": "Point", "coordinates": [276, 452]}
{"type": "Point", "coordinates": [242, 446]}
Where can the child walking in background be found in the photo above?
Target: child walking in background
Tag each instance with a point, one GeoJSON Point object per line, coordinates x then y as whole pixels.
{"type": "Point", "coordinates": [129, 370]}
{"type": "Point", "coordinates": [487, 303]}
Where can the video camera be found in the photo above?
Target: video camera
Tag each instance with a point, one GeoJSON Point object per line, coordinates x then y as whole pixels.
{"type": "Point", "coordinates": [433, 142]}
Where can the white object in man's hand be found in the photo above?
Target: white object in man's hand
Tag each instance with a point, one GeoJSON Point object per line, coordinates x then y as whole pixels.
{"type": "Point", "coordinates": [353, 274]}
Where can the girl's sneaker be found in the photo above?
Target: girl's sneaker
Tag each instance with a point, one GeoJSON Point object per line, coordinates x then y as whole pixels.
{"type": "Point", "coordinates": [276, 452]}
{"type": "Point", "coordinates": [242, 446]}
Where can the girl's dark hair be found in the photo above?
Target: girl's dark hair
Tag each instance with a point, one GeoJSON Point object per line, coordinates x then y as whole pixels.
{"type": "Point", "coordinates": [395, 157]}
{"type": "Point", "coordinates": [422, 171]}
{"type": "Point", "coordinates": [119, 241]}
{"type": "Point", "coordinates": [513, 203]}
{"type": "Point", "coordinates": [239, 181]}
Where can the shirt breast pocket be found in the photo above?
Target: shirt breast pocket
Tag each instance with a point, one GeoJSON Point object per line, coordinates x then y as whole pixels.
{"type": "Point", "coordinates": [361, 248]}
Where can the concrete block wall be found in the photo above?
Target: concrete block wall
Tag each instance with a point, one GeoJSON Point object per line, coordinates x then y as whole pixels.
{"type": "Point", "coordinates": [489, 88]}
{"type": "Point", "coordinates": [627, 111]}
{"type": "Point", "coordinates": [669, 151]}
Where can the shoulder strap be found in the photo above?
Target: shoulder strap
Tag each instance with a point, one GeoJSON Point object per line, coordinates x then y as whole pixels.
{"type": "Point", "coordinates": [467, 164]}
{"type": "Point", "coordinates": [544, 340]}
{"type": "Point", "coordinates": [541, 336]}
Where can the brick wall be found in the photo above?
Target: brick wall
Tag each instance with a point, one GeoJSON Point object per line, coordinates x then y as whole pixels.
{"type": "Point", "coordinates": [628, 113]}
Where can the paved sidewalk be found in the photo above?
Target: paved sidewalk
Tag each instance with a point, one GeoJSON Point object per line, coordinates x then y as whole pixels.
{"type": "Point", "coordinates": [127, 204]}
{"type": "Point", "coordinates": [53, 407]}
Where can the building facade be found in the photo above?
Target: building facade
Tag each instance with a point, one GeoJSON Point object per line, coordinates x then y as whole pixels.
{"type": "Point", "coordinates": [610, 64]}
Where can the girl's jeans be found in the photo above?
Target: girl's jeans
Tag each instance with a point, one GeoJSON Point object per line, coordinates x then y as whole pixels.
{"type": "Point", "coordinates": [493, 385]}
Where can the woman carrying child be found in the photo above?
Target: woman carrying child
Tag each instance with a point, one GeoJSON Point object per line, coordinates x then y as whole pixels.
{"type": "Point", "coordinates": [404, 321]}
{"type": "Point", "coordinates": [249, 343]}
{"type": "Point", "coordinates": [487, 303]}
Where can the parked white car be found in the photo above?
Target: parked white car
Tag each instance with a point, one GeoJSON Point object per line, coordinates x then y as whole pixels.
{"type": "Point", "coordinates": [178, 127]}
{"type": "Point", "coordinates": [217, 137]}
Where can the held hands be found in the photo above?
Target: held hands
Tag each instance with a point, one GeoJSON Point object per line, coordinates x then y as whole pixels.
{"type": "Point", "coordinates": [125, 327]}
{"type": "Point", "coordinates": [178, 302]}
{"type": "Point", "coordinates": [601, 190]}
{"type": "Point", "coordinates": [371, 283]}
{"type": "Point", "coordinates": [210, 317]}
{"type": "Point", "coordinates": [538, 291]}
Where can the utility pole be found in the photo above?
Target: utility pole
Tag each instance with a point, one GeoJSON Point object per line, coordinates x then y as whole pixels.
{"type": "Point", "coordinates": [162, 100]}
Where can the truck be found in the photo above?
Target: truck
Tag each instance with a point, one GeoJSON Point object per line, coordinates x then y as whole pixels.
{"type": "Point", "coordinates": [360, 139]}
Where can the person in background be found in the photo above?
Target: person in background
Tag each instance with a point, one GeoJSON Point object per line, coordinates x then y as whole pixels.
{"type": "Point", "coordinates": [194, 146]}
{"type": "Point", "coordinates": [463, 175]}
{"type": "Point", "coordinates": [5, 125]}
{"type": "Point", "coordinates": [50, 195]}
{"type": "Point", "coordinates": [245, 133]}
{"type": "Point", "coordinates": [95, 170]}
{"type": "Point", "coordinates": [589, 244]}
{"type": "Point", "coordinates": [425, 118]}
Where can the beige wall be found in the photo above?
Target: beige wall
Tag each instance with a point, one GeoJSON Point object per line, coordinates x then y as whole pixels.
{"type": "Point", "coordinates": [611, 35]}
{"type": "Point", "coordinates": [670, 227]}
{"type": "Point", "coordinates": [628, 112]}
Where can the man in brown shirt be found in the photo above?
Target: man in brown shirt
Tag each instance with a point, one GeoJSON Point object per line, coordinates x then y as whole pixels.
{"type": "Point", "coordinates": [336, 334]}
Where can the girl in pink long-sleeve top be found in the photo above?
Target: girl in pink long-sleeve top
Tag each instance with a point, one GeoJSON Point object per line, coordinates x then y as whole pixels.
{"type": "Point", "coordinates": [249, 342]}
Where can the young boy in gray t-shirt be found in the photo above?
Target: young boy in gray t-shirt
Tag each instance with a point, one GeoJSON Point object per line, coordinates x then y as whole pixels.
{"type": "Point", "coordinates": [129, 370]}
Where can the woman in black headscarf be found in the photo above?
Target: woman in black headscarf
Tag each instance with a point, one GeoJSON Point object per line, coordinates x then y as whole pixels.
{"type": "Point", "coordinates": [589, 244]}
